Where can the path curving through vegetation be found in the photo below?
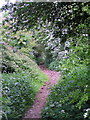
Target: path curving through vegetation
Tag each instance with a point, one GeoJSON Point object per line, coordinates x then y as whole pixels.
{"type": "Point", "coordinates": [35, 111]}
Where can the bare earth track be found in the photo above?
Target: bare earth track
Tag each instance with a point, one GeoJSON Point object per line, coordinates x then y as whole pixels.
{"type": "Point", "coordinates": [35, 111]}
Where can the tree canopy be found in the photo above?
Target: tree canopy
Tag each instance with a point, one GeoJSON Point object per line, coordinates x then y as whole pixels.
{"type": "Point", "coordinates": [64, 15]}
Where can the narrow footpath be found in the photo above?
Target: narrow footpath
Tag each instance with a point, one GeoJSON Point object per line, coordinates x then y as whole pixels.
{"type": "Point", "coordinates": [35, 111]}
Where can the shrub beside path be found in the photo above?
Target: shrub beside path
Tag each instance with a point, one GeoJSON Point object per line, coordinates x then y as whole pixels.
{"type": "Point", "coordinates": [35, 111]}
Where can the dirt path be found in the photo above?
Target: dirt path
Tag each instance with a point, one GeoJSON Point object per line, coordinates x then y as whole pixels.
{"type": "Point", "coordinates": [40, 101]}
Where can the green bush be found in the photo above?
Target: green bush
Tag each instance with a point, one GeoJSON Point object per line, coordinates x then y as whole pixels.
{"type": "Point", "coordinates": [69, 100]}
{"type": "Point", "coordinates": [18, 93]}
{"type": "Point", "coordinates": [21, 85]}
{"type": "Point", "coordinates": [55, 65]}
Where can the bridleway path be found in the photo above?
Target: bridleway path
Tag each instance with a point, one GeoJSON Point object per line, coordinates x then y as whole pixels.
{"type": "Point", "coordinates": [36, 109]}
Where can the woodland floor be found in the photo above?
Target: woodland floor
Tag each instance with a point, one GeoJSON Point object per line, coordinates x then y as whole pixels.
{"type": "Point", "coordinates": [39, 103]}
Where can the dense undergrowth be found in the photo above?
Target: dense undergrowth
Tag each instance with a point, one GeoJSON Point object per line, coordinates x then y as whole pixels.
{"type": "Point", "coordinates": [21, 80]}
{"type": "Point", "coordinates": [70, 99]}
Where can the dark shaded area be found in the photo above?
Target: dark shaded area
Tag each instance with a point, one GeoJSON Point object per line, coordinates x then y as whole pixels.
{"type": "Point", "coordinates": [6, 68]}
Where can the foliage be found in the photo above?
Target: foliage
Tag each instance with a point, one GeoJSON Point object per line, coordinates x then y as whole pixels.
{"type": "Point", "coordinates": [18, 93]}
{"type": "Point", "coordinates": [52, 27]}
{"type": "Point", "coordinates": [21, 85]}
{"type": "Point", "coordinates": [55, 65]}
{"type": "Point", "coordinates": [39, 53]}
{"type": "Point", "coordinates": [21, 38]}
{"type": "Point", "coordinates": [66, 29]}
{"type": "Point", "coordinates": [70, 98]}
{"type": "Point", "coordinates": [62, 30]}
{"type": "Point", "coordinates": [58, 13]}
{"type": "Point", "coordinates": [64, 17]}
